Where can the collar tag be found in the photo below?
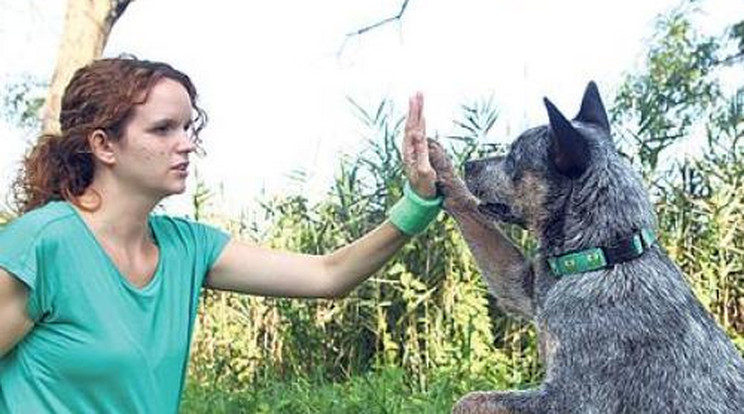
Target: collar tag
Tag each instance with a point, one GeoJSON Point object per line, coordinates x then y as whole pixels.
{"type": "Point", "coordinates": [598, 258]}
{"type": "Point", "coordinates": [579, 262]}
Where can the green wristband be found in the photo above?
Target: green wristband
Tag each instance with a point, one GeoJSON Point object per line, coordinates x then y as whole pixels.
{"type": "Point", "coordinates": [411, 214]}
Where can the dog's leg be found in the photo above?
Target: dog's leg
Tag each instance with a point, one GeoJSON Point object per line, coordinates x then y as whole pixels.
{"type": "Point", "coordinates": [501, 402]}
{"type": "Point", "coordinates": [506, 271]}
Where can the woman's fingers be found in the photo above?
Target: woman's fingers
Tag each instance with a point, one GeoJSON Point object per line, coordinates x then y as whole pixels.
{"type": "Point", "coordinates": [412, 125]}
{"type": "Point", "coordinates": [419, 171]}
{"type": "Point", "coordinates": [421, 149]}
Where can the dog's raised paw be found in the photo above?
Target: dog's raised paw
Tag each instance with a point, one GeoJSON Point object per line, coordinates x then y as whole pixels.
{"type": "Point", "coordinates": [439, 159]}
{"type": "Point", "coordinates": [457, 197]}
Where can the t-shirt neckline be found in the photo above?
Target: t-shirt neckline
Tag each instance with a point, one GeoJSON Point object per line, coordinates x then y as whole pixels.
{"type": "Point", "coordinates": [154, 280]}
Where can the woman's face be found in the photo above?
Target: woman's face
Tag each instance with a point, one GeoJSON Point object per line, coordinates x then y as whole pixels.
{"type": "Point", "coordinates": [153, 153]}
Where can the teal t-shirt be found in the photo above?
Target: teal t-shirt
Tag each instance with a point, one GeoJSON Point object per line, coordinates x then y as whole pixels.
{"type": "Point", "coordinates": [99, 344]}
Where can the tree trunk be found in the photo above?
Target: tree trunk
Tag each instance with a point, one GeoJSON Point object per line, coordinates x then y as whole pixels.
{"type": "Point", "coordinates": [87, 27]}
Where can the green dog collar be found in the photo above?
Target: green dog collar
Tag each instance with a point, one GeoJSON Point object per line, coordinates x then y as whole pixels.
{"type": "Point", "coordinates": [603, 257]}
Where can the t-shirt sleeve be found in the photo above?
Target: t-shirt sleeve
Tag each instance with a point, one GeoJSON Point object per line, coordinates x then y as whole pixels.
{"type": "Point", "coordinates": [20, 249]}
{"type": "Point", "coordinates": [211, 241]}
{"type": "Point", "coordinates": [201, 242]}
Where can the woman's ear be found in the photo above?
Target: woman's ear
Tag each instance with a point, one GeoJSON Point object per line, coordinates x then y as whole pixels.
{"type": "Point", "coordinates": [102, 147]}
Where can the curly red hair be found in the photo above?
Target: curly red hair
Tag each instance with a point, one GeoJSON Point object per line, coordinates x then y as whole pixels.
{"type": "Point", "coordinates": [100, 96]}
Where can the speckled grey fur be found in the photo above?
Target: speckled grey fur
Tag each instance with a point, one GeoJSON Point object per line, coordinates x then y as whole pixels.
{"type": "Point", "coordinates": [629, 339]}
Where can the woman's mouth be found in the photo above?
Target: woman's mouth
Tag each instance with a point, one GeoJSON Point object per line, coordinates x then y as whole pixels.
{"type": "Point", "coordinates": [182, 168]}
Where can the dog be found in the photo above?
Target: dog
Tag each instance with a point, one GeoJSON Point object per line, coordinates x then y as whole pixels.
{"type": "Point", "coordinates": [620, 330]}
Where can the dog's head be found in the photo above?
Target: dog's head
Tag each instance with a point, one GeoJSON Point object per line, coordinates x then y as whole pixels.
{"type": "Point", "coordinates": [558, 169]}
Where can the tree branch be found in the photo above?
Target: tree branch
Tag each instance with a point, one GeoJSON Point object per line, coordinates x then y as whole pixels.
{"type": "Point", "coordinates": [373, 26]}
{"type": "Point", "coordinates": [730, 60]}
{"type": "Point", "coordinates": [117, 9]}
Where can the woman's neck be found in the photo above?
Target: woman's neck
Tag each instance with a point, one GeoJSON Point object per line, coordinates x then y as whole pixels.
{"type": "Point", "coordinates": [119, 219]}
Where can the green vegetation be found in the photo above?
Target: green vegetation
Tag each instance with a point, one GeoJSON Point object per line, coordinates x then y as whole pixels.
{"type": "Point", "coordinates": [423, 330]}
{"type": "Point", "coordinates": [375, 392]}
{"type": "Point", "coordinates": [426, 311]}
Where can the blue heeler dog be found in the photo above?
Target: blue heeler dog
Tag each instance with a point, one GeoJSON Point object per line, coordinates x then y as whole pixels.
{"type": "Point", "coordinates": [620, 330]}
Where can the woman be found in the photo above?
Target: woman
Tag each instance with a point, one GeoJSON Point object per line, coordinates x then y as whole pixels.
{"type": "Point", "coordinates": [97, 296]}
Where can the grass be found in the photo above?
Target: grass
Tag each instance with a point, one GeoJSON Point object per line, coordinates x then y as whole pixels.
{"type": "Point", "coordinates": [381, 392]}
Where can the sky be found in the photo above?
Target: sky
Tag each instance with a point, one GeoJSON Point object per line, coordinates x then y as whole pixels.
{"type": "Point", "coordinates": [274, 77]}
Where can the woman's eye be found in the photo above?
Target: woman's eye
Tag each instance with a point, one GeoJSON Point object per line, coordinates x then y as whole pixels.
{"type": "Point", "coordinates": [171, 127]}
{"type": "Point", "coordinates": [162, 129]}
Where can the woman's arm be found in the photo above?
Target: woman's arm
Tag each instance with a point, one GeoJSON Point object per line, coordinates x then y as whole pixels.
{"type": "Point", "coordinates": [253, 269]}
{"type": "Point", "coordinates": [15, 323]}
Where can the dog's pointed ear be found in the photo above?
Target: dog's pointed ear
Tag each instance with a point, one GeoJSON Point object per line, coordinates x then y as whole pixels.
{"type": "Point", "coordinates": [592, 110]}
{"type": "Point", "coordinates": [569, 150]}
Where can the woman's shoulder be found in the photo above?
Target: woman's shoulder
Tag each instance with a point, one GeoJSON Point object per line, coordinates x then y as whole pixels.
{"type": "Point", "coordinates": [184, 229]}
{"type": "Point", "coordinates": [169, 222]}
{"type": "Point", "coordinates": [40, 219]}
{"type": "Point", "coordinates": [179, 222]}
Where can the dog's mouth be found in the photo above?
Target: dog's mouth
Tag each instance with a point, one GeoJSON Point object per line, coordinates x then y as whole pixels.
{"type": "Point", "coordinates": [500, 212]}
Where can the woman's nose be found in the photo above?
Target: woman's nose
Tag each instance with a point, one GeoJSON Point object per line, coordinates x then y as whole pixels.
{"type": "Point", "coordinates": [187, 142]}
